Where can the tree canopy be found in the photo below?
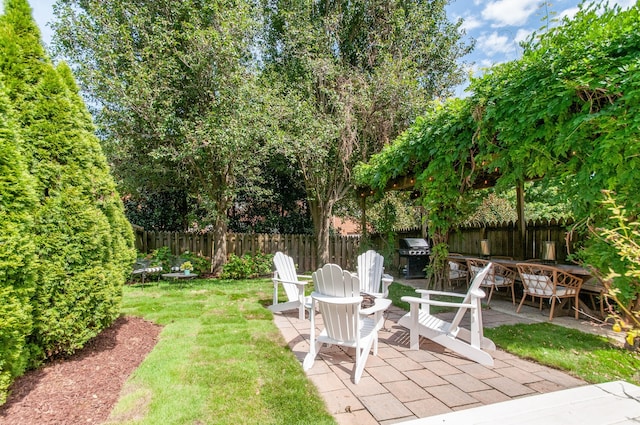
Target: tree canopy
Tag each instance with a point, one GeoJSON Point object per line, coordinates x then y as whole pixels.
{"type": "Point", "coordinates": [174, 88]}
{"type": "Point", "coordinates": [349, 77]}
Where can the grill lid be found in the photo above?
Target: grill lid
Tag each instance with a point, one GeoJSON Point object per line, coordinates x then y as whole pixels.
{"type": "Point", "coordinates": [414, 243]}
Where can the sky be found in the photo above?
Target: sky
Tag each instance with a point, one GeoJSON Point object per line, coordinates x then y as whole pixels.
{"type": "Point", "coordinates": [497, 26]}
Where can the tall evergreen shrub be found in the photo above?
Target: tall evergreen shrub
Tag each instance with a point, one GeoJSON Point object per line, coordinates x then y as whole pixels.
{"type": "Point", "coordinates": [84, 243]}
{"type": "Point", "coordinates": [16, 252]}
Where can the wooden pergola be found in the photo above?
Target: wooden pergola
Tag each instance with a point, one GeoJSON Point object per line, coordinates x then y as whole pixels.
{"type": "Point", "coordinates": [483, 181]}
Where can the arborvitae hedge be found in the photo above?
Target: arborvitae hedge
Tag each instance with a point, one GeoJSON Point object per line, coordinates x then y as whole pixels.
{"type": "Point", "coordinates": [82, 240]}
{"type": "Point", "coordinates": [16, 252]}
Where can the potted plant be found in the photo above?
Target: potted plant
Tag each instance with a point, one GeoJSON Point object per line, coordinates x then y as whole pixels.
{"type": "Point", "coordinates": [186, 267]}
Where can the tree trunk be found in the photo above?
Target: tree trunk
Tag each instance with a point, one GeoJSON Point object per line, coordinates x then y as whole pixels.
{"type": "Point", "coordinates": [321, 216]}
{"type": "Point", "coordinates": [439, 278]}
{"type": "Point", "coordinates": [220, 244]}
{"type": "Point", "coordinates": [222, 202]}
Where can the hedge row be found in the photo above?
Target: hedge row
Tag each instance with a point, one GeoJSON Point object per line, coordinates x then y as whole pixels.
{"type": "Point", "coordinates": [66, 247]}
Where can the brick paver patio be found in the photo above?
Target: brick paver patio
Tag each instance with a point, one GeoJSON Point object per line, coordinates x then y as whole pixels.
{"type": "Point", "coordinates": [400, 384]}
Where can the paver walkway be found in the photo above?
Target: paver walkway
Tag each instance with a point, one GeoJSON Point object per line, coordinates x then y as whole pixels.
{"type": "Point", "coordinates": [400, 384]}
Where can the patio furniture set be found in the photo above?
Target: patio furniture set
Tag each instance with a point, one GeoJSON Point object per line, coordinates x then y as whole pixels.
{"type": "Point", "coordinates": [338, 297]}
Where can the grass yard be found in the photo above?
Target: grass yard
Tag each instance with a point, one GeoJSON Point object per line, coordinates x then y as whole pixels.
{"type": "Point", "coordinates": [219, 360]}
{"type": "Point", "coordinates": [590, 357]}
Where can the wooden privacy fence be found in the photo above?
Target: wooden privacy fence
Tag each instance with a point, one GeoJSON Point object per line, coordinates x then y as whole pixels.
{"type": "Point", "coordinates": [343, 250]}
{"type": "Point", "coordinates": [504, 240]}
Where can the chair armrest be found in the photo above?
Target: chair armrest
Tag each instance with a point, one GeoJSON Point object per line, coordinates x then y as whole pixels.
{"type": "Point", "coordinates": [304, 276]}
{"type": "Point", "coordinates": [381, 304]}
{"type": "Point", "coordinates": [440, 293]}
{"type": "Point", "coordinates": [416, 300]}
{"type": "Point", "coordinates": [276, 280]}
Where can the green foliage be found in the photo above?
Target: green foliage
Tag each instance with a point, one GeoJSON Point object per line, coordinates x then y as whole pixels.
{"type": "Point", "coordinates": [191, 119]}
{"type": "Point", "coordinates": [201, 265]}
{"type": "Point", "coordinates": [163, 210]}
{"type": "Point", "coordinates": [620, 267]}
{"type": "Point", "coordinates": [247, 266]}
{"type": "Point", "coordinates": [566, 113]}
{"type": "Point", "coordinates": [161, 257]}
{"type": "Point", "coordinates": [348, 77]}
{"type": "Point", "coordinates": [84, 244]}
{"type": "Point", "coordinates": [165, 258]}
{"type": "Point", "coordinates": [16, 251]}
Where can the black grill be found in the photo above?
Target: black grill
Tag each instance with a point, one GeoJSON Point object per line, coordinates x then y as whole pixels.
{"type": "Point", "coordinates": [416, 251]}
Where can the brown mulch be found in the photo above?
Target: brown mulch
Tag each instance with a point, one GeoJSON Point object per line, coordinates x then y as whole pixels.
{"type": "Point", "coordinates": [84, 387]}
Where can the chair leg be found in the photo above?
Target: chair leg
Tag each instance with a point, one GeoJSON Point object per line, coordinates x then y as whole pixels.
{"type": "Point", "coordinates": [490, 294]}
{"type": "Point", "coordinates": [521, 302]}
{"type": "Point", "coordinates": [361, 359]}
{"type": "Point", "coordinates": [310, 358]}
{"type": "Point", "coordinates": [577, 305]}
{"type": "Point", "coordinates": [553, 307]}
{"type": "Point", "coordinates": [513, 295]}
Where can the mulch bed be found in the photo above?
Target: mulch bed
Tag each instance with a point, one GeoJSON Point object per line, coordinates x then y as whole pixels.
{"type": "Point", "coordinates": [84, 387]}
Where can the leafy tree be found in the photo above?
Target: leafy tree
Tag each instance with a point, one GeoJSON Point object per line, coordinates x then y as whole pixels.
{"type": "Point", "coordinates": [350, 77]}
{"type": "Point", "coordinates": [164, 210]}
{"type": "Point", "coordinates": [277, 204]}
{"type": "Point", "coordinates": [17, 251]}
{"type": "Point", "coordinates": [84, 243]}
{"type": "Point", "coordinates": [173, 86]}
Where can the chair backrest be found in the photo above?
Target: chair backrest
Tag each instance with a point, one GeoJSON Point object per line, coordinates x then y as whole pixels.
{"type": "Point", "coordinates": [341, 321]}
{"type": "Point", "coordinates": [286, 271]}
{"type": "Point", "coordinates": [543, 280]}
{"type": "Point", "coordinates": [370, 269]}
{"type": "Point", "coordinates": [476, 265]}
{"type": "Point", "coordinates": [474, 286]}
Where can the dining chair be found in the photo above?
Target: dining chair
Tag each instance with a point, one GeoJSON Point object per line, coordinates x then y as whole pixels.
{"type": "Point", "coordinates": [548, 282]}
{"type": "Point", "coordinates": [499, 277]}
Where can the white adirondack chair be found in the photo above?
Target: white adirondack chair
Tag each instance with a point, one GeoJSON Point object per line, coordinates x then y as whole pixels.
{"type": "Point", "coordinates": [468, 343]}
{"type": "Point", "coordinates": [373, 280]}
{"type": "Point", "coordinates": [292, 284]}
{"type": "Point", "coordinates": [337, 295]}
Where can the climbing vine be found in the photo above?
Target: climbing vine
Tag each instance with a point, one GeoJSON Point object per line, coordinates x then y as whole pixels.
{"type": "Point", "coordinates": [568, 110]}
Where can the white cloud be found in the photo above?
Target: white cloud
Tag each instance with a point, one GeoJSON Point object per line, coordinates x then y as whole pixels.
{"type": "Point", "coordinates": [471, 23]}
{"type": "Point", "coordinates": [623, 3]}
{"type": "Point", "coordinates": [568, 13]}
{"type": "Point", "coordinates": [495, 43]}
{"type": "Point", "coordinates": [522, 35]}
{"type": "Point", "coordinates": [509, 12]}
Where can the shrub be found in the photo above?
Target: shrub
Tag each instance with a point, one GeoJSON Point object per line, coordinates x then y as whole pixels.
{"type": "Point", "coordinates": [247, 266]}
{"type": "Point", "coordinates": [622, 280]}
{"type": "Point", "coordinates": [163, 257]}
{"type": "Point", "coordinates": [201, 265]}
{"type": "Point", "coordinates": [83, 241]}
{"type": "Point", "coordinates": [16, 253]}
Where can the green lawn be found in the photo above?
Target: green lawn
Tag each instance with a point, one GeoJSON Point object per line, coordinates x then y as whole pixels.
{"type": "Point", "coordinates": [219, 360]}
{"type": "Point", "coordinates": [590, 357]}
